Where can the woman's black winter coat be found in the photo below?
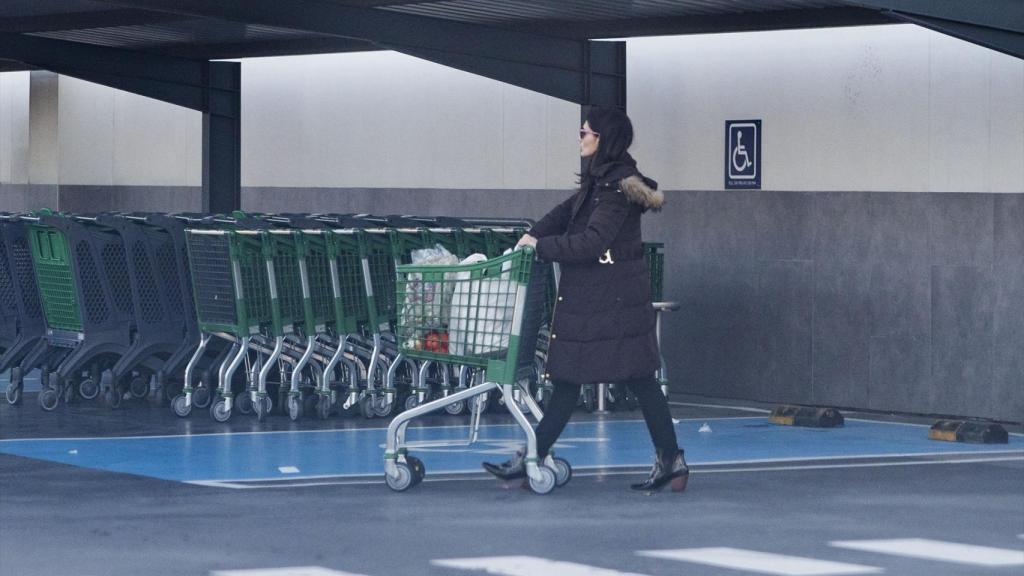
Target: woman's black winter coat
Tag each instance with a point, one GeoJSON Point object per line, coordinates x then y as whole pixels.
{"type": "Point", "coordinates": [603, 329]}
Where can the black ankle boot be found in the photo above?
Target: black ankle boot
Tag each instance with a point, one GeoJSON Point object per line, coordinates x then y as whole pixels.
{"type": "Point", "coordinates": [510, 470]}
{"type": "Point", "coordinates": [672, 470]}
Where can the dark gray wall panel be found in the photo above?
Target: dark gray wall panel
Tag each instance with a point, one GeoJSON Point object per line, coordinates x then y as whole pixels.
{"type": "Point", "coordinates": [784, 335]}
{"type": "Point", "coordinates": [900, 297]}
{"type": "Point", "coordinates": [961, 229]}
{"type": "Point", "coordinates": [785, 225]}
{"type": "Point", "coordinates": [962, 307]}
{"type": "Point", "coordinates": [83, 198]}
{"type": "Point", "coordinates": [1007, 394]}
{"type": "Point", "coordinates": [899, 227]}
{"type": "Point", "coordinates": [725, 322]}
{"type": "Point", "coordinates": [842, 333]}
{"type": "Point", "coordinates": [1008, 210]}
{"type": "Point", "coordinates": [728, 226]}
{"type": "Point", "coordinates": [900, 374]}
{"type": "Point", "coordinates": [26, 197]}
{"type": "Point", "coordinates": [841, 222]}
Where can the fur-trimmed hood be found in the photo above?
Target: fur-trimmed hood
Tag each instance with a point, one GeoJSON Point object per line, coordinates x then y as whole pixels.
{"type": "Point", "coordinates": [642, 191]}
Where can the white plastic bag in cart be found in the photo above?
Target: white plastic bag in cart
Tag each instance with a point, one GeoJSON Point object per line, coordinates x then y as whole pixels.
{"type": "Point", "coordinates": [426, 303]}
{"type": "Point", "coordinates": [481, 311]}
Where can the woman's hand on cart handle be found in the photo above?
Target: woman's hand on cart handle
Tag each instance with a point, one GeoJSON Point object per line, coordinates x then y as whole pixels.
{"type": "Point", "coordinates": [527, 240]}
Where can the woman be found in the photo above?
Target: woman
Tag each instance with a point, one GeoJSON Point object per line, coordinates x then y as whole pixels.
{"type": "Point", "coordinates": [603, 329]}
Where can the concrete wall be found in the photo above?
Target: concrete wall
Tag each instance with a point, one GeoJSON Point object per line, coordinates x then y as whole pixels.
{"type": "Point", "coordinates": [881, 267]}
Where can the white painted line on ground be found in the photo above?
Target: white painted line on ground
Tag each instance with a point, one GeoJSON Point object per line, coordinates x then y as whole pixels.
{"type": "Point", "coordinates": [761, 562]}
{"type": "Point", "coordinates": [913, 424]}
{"type": "Point", "coordinates": [527, 566]}
{"type": "Point", "coordinates": [296, 571]}
{"type": "Point", "coordinates": [371, 479]}
{"type": "Point", "coordinates": [938, 550]}
{"type": "Point", "coordinates": [996, 456]}
{"type": "Point", "coordinates": [1021, 536]}
{"type": "Point", "coordinates": [288, 469]}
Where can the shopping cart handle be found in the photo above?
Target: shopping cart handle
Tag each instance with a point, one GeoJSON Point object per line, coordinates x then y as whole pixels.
{"type": "Point", "coordinates": [670, 306]}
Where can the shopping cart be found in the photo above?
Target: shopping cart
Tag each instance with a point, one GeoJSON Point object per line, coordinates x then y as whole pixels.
{"type": "Point", "coordinates": [23, 325]}
{"type": "Point", "coordinates": [233, 301]}
{"type": "Point", "coordinates": [157, 320]}
{"type": "Point", "coordinates": [485, 315]}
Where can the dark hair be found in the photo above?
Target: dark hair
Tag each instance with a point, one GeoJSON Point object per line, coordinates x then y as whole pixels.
{"type": "Point", "coordinates": [616, 136]}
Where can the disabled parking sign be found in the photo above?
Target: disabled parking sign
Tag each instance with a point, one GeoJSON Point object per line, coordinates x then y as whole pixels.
{"type": "Point", "coordinates": [742, 154]}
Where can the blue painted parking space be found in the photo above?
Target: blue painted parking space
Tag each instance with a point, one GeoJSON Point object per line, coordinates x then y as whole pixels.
{"type": "Point", "coordinates": [588, 445]}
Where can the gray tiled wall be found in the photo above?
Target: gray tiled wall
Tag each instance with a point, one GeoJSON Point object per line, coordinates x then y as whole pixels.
{"type": "Point", "coordinates": [890, 301]}
{"type": "Point", "coordinates": [905, 302]}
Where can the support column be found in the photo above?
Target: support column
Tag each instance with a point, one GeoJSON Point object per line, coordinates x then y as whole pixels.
{"type": "Point", "coordinates": [604, 78]}
{"type": "Point", "coordinates": [222, 139]}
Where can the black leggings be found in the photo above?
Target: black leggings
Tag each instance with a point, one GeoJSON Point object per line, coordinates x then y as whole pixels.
{"type": "Point", "coordinates": [652, 402]}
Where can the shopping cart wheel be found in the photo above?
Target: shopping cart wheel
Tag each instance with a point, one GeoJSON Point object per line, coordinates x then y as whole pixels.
{"type": "Point", "coordinates": [456, 408]}
{"type": "Point", "coordinates": [243, 403]}
{"type": "Point", "coordinates": [366, 407]}
{"type": "Point", "coordinates": [403, 481]}
{"type": "Point", "coordinates": [180, 407]}
{"type": "Point", "coordinates": [219, 410]}
{"type": "Point", "coordinates": [139, 387]}
{"type": "Point", "coordinates": [382, 408]}
{"type": "Point", "coordinates": [48, 399]}
{"type": "Point", "coordinates": [546, 483]}
{"type": "Point", "coordinates": [14, 393]}
{"type": "Point", "coordinates": [201, 397]}
{"type": "Point", "coordinates": [419, 471]}
{"type": "Point", "coordinates": [295, 407]}
{"type": "Point", "coordinates": [563, 471]}
{"type": "Point", "coordinates": [89, 389]}
{"type": "Point", "coordinates": [411, 401]}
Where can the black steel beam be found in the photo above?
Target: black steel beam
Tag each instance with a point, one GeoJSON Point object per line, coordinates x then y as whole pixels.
{"type": "Point", "coordinates": [14, 66]}
{"type": "Point", "coordinates": [550, 65]}
{"type": "Point", "coordinates": [175, 80]}
{"type": "Point", "coordinates": [1005, 15]}
{"type": "Point", "coordinates": [710, 23]}
{"type": "Point", "coordinates": [85, 20]}
{"type": "Point", "coordinates": [222, 139]}
{"type": "Point", "coordinates": [994, 24]}
{"type": "Point", "coordinates": [1011, 43]}
{"type": "Point", "coordinates": [258, 49]}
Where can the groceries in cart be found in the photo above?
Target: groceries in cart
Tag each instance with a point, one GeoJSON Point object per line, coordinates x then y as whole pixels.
{"type": "Point", "coordinates": [457, 312]}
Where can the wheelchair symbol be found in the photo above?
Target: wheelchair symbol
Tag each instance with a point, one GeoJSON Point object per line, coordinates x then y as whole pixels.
{"type": "Point", "coordinates": [742, 154]}
{"type": "Point", "coordinates": [740, 151]}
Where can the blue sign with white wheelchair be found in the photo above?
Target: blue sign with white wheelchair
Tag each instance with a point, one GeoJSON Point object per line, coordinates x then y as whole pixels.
{"type": "Point", "coordinates": [742, 154]}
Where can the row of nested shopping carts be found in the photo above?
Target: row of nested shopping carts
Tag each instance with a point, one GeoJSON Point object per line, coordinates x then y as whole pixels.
{"type": "Point", "coordinates": [248, 313]}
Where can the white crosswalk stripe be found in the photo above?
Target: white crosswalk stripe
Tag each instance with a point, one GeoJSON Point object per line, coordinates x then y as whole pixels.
{"type": "Point", "coordinates": [527, 566]}
{"type": "Point", "coordinates": [938, 550]}
{"type": "Point", "coordinates": [761, 562]}
{"type": "Point", "coordinates": [294, 571]}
